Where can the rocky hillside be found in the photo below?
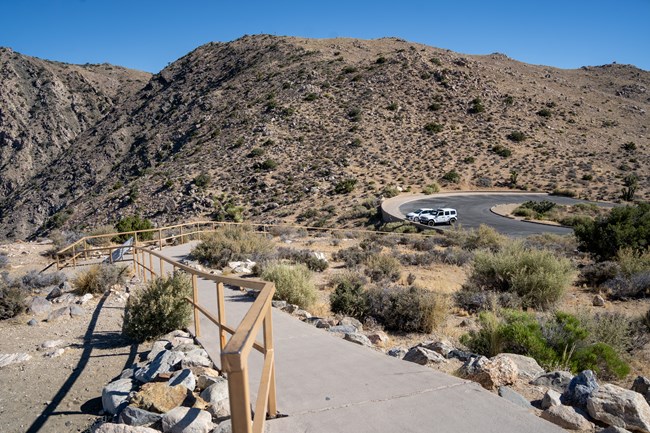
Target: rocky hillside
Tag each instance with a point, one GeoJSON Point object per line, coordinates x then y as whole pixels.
{"type": "Point", "coordinates": [45, 105]}
{"type": "Point", "coordinates": [275, 124]}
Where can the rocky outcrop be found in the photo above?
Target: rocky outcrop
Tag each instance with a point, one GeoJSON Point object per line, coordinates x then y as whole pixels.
{"type": "Point", "coordinates": [620, 407]}
{"type": "Point", "coordinates": [490, 373]}
{"type": "Point", "coordinates": [568, 418]}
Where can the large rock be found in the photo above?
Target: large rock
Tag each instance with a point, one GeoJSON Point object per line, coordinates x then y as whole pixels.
{"type": "Point", "coordinates": [135, 416]}
{"type": "Point", "coordinates": [54, 293]}
{"type": "Point", "coordinates": [397, 352]}
{"type": "Point", "coordinates": [614, 429]}
{"type": "Point", "coordinates": [187, 420]}
{"type": "Point", "coordinates": [219, 410]}
{"type": "Point", "coordinates": [351, 321]}
{"type": "Point", "coordinates": [514, 397]}
{"type": "Point", "coordinates": [568, 418]}
{"type": "Point", "coordinates": [196, 358]}
{"type": "Point", "coordinates": [580, 389]}
{"type": "Point", "coordinates": [357, 338]}
{"type": "Point", "coordinates": [557, 380]}
{"type": "Point", "coordinates": [378, 338]}
{"type": "Point", "coordinates": [123, 428]}
{"type": "Point", "coordinates": [444, 348]}
{"type": "Point", "coordinates": [343, 329]}
{"type": "Point", "coordinates": [59, 314]}
{"type": "Point", "coordinates": [183, 377]}
{"type": "Point", "coordinates": [642, 386]}
{"type": "Point", "coordinates": [216, 392]}
{"type": "Point", "coordinates": [490, 373]}
{"type": "Point", "coordinates": [160, 397]}
{"type": "Point", "coordinates": [551, 398]}
{"type": "Point", "coordinates": [527, 367]}
{"type": "Point", "coordinates": [423, 356]}
{"type": "Point", "coordinates": [620, 407]}
{"type": "Point", "coordinates": [157, 347]}
{"type": "Point", "coordinates": [115, 395]}
{"type": "Point", "coordinates": [165, 362]}
{"type": "Point", "coordinates": [223, 427]}
{"type": "Point", "coordinates": [205, 376]}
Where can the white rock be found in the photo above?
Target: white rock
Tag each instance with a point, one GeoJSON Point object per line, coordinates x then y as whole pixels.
{"type": "Point", "coordinates": [620, 407]}
{"type": "Point", "coordinates": [13, 358]}
{"type": "Point", "coordinates": [551, 398]}
{"type": "Point", "coordinates": [85, 298]}
{"type": "Point", "coordinates": [123, 428]}
{"type": "Point", "coordinates": [183, 377]}
{"type": "Point", "coordinates": [216, 392]}
{"type": "Point", "coordinates": [55, 353]}
{"type": "Point", "coordinates": [187, 420]}
{"type": "Point", "coordinates": [115, 395]}
{"type": "Point", "coordinates": [50, 344]}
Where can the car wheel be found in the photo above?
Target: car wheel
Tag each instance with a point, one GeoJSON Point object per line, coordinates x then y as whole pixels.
{"type": "Point", "coordinates": [431, 223]}
{"type": "Point", "coordinates": [452, 221]}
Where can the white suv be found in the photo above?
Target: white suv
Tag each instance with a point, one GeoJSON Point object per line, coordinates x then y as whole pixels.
{"type": "Point", "coordinates": [415, 215]}
{"type": "Point", "coordinates": [439, 216]}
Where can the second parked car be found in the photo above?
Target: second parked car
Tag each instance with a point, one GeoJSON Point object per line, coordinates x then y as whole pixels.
{"type": "Point", "coordinates": [415, 215]}
{"type": "Point", "coordinates": [439, 216]}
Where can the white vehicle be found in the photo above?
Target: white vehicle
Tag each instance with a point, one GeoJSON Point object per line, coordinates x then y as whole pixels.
{"type": "Point", "coordinates": [415, 215]}
{"type": "Point", "coordinates": [439, 216]}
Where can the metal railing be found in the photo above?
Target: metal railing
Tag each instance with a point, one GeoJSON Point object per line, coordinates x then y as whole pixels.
{"type": "Point", "coordinates": [234, 351]}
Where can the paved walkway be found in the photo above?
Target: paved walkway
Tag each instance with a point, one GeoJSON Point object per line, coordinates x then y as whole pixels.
{"type": "Point", "coordinates": [328, 385]}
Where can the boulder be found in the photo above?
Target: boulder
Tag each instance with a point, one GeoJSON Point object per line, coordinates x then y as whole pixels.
{"type": "Point", "coordinates": [279, 304]}
{"type": "Point", "coordinates": [357, 338]}
{"type": "Point", "coordinates": [397, 352]}
{"type": "Point", "coordinates": [219, 410]}
{"type": "Point", "coordinates": [528, 368]}
{"type": "Point", "coordinates": [444, 348]}
{"type": "Point", "coordinates": [196, 358]}
{"type": "Point", "coordinates": [129, 373]}
{"type": "Point", "coordinates": [514, 397]}
{"type": "Point", "coordinates": [123, 428]}
{"type": "Point", "coordinates": [379, 338]}
{"type": "Point", "coordinates": [157, 347]}
{"type": "Point", "coordinates": [461, 355]}
{"type": "Point", "coordinates": [32, 322]}
{"type": "Point", "coordinates": [580, 389]}
{"type": "Point", "coordinates": [115, 395]}
{"type": "Point", "coordinates": [568, 418]}
{"type": "Point", "coordinates": [557, 380]}
{"type": "Point", "coordinates": [322, 323]}
{"type": "Point", "coordinates": [343, 329]}
{"type": "Point", "coordinates": [551, 398]}
{"type": "Point", "coordinates": [423, 356]}
{"type": "Point", "coordinates": [135, 416]}
{"type": "Point", "coordinates": [216, 392]}
{"type": "Point", "coordinates": [13, 358]}
{"type": "Point", "coordinates": [351, 321]}
{"type": "Point", "coordinates": [50, 344]}
{"type": "Point", "coordinates": [302, 314]}
{"type": "Point", "coordinates": [183, 377]}
{"type": "Point", "coordinates": [160, 397]}
{"type": "Point", "coordinates": [40, 305]}
{"type": "Point", "coordinates": [84, 299]}
{"type": "Point", "coordinates": [165, 362]}
{"type": "Point", "coordinates": [186, 348]}
{"type": "Point", "coordinates": [76, 311]}
{"type": "Point", "coordinates": [642, 386]}
{"type": "Point", "coordinates": [187, 420]}
{"type": "Point", "coordinates": [598, 301]}
{"type": "Point", "coordinates": [620, 407]}
{"type": "Point", "coordinates": [54, 293]}
{"type": "Point", "coordinates": [490, 373]}
{"type": "Point", "coordinates": [59, 314]}
{"type": "Point", "coordinates": [223, 427]}
{"type": "Point", "coordinates": [614, 429]}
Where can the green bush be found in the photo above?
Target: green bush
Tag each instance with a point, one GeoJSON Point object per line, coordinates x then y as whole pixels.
{"type": "Point", "coordinates": [159, 308]}
{"type": "Point", "coordinates": [627, 226]}
{"type": "Point", "coordinates": [545, 112]}
{"type": "Point", "coordinates": [432, 188]}
{"type": "Point", "coordinates": [407, 309]}
{"type": "Point", "coordinates": [433, 127]}
{"type": "Point", "coordinates": [292, 283]}
{"type": "Point", "coordinates": [99, 278]}
{"type": "Point", "coordinates": [349, 297]}
{"type": "Point", "coordinates": [602, 359]}
{"type": "Point", "coordinates": [451, 176]}
{"type": "Point", "coordinates": [231, 243]}
{"type": "Point", "coordinates": [130, 224]}
{"type": "Point", "coordinates": [516, 136]}
{"type": "Point", "coordinates": [536, 276]}
{"type": "Point", "coordinates": [476, 106]}
{"type": "Point", "coordinates": [202, 180]}
{"type": "Point", "coordinates": [381, 267]}
{"type": "Point", "coordinates": [306, 257]}
{"type": "Point", "coordinates": [563, 192]}
{"type": "Point", "coordinates": [500, 150]}
{"type": "Point", "coordinates": [540, 207]}
{"type": "Point", "coordinates": [12, 299]}
{"type": "Point", "coordinates": [257, 151]}
{"type": "Point", "coordinates": [345, 186]}
{"type": "Point", "coordinates": [485, 237]}
{"type": "Point", "coordinates": [268, 165]}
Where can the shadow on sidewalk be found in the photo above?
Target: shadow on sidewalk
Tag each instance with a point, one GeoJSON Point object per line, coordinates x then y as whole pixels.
{"type": "Point", "coordinates": [92, 340]}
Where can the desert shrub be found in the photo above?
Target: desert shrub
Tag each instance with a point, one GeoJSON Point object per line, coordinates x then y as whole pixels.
{"type": "Point", "coordinates": [500, 150]}
{"type": "Point", "coordinates": [574, 220]}
{"type": "Point", "coordinates": [602, 359]}
{"type": "Point", "coordinates": [349, 297]}
{"type": "Point", "coordinates": [426, 243]}
{"type": "Point", "coordinates": [417, 259]}
{"type": "Point", "coordinates": [564, 245]}
{"type": "Point", "coordinates": [563, 192]}
{"type": "Point", "coordinates": [433, 127]}
{"type": "Point", "coordinates": [397, 227]}
{"type": "Point", "coordinates": [454, 256]}
{"type": "Point", "coordinates": [12, 298]}
{"type": "Point", "coordinates": [390, 191]}
{"type": "Point", "coordinates": [539, 207]}
{"type": "Point", "coordinates": [476, 106]}
{"type": "Point", "coordinates": [382, 267]}
{"type": "Point", "coordinates": [485, 237]}
{"type": "Point", "coordinates": [629, 287]}
{"type": "Point", "coordinates": [407, 309]}
{"type": "Point", "coordinates": [524, 212]}
{"type": "Point", "coordinates": [629, 146]}
{"type": "Point", "coordinates": [292, 283]}
{"type": "Point", "coordinates": [614, 329]}
{"type": "Point", "coordinates": [159, 307]}
{"type": "Point", "coordinates": [4, 261]}
{"type": "Point", "coordinates": [545, 112]}
{"type": "Point", "coordinates": [231, 243]}
{"type": "Point", "coordinates": [632, 262]}
{"type": "Point", "coordinates": [536, 276]}
{"type": "Point", "coordinates": [598, 273]}
{"type": "Point", "coordinates": [345, 186]}
{"type": "Point", "coordinates": [646, 320]}
{"type": "Point", "coordinates": [99, 278]}
{"type": "Point", "coordinates": [451, 176]}
{"type": "Point", "coordinates": [354, 114]}
{"type": "Point", "coordinates": [255, 152]}
{"type": "Point", "coordinates": [202, 180]}
{"type": "Point", "coordinates": [133, 223]}
{"type": "Point", "coordinates": [37, 280]}
{"type": "Point", "coordinates": [476, 300]}
{"type": "Point", "coordinates": [102, 241]}
{"type": "Point", "coordinates": [516, 136]}
{"type": "Point", "coordinates": [432, 188]}
{"type": "Point", "coordinates": [306, 257]}
{"type": "Point", "coordinates": [267, 164]}
{"type": "Point", "coordinates": [627, 226]}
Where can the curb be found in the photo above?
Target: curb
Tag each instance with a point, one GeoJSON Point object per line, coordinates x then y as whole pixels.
{"type": "Point", "coordinates": [541, 223]}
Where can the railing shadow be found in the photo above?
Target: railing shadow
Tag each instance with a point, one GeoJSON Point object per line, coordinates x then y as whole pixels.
{"type": "Point", "coordinates": [108, 340]}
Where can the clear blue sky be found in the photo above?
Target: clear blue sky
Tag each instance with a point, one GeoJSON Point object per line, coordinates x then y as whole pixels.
{"type": "Point", "coordinates": [148, 34]}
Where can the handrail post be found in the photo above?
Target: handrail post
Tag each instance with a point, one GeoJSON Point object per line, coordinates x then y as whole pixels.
{"type": "Point", "coordinates": [135, 266]}
{"type": "Point", "coordinates": [74, 255]}
{"type": "Point", "coordinates": [85, 250]}
{"type": "Point", "coordinates": [239, 395]}
{"type": "Point", "coordinates": [198, 233]}
{"type": "Point", "coordinates": [153, 274]}
{"type": "Point", "coordinates": [221, 314]}
{"type": "Point", "coordinates": [195, 298]}
{"type": "Point", "coordinates": [160, 239]}
{"type": "Point", "coordinates": [110, 255]}
{"type": "Point", "coordinates": [144, 271]}
{"type": "Point", "coordinates": [182, 239]}
{"type": "Point", "coordinates": [272, 408]}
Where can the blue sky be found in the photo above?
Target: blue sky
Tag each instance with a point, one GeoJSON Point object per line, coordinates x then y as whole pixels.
{"type": "Point", "coordinates": [147, 35]}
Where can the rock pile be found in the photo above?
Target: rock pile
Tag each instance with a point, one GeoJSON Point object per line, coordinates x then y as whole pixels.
{"type": "Point", "coordinates": [175, 390]}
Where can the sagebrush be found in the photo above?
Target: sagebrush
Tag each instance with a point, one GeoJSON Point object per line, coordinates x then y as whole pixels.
{"type": "Point", "coordinates": [292, 283]}
{"type": "Point", "coordinates": [99, 278]}
{"type": "Point", "coordinates": [231, 243]}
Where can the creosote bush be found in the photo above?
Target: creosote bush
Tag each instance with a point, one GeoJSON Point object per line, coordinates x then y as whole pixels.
{"type": "Point", "coordinates": [36, 280]}
{"type": "Point", "coordinates": [348, 297]}
{"type": "Point", "coordinates": [292, 283]}
{"type": "Point", "coordinates": [382, 267]}
{"type": "Point", "coordinates": [133, 223]}
{"type": "Point", "coordinates": [306, 257]}
{"type": "Point", "coordinates": [99, 278]}
{"type": "Point", "coordinates": [159, 308]}
{"type": "Point", "coordinates": [536, 277]}
{"type": "Point", "coordinates": [407, 309]}
{"type": "Point", "coordinates": [231, 243]}
{"type": "Point", "coordinates": [12, 298]}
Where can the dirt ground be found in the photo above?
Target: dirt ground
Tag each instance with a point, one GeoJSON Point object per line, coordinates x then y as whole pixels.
{"type": "Point", "coordinates": [60, 394]}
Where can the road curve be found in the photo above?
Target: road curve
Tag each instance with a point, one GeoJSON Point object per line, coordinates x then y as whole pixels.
{"type": "Point", "coordinates": [474, 210]}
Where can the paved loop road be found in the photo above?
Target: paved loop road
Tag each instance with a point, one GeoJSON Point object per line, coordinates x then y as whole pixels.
{"type": "Point", "coordinates": [474, 210]}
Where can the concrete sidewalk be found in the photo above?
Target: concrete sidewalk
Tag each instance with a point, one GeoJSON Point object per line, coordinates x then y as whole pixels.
{"type": "Point", "coordinates": [328, 385]}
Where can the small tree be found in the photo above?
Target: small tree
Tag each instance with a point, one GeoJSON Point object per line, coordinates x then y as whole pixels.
{"type": "Point", "coordinates": [631, 183]}
{"type": "Point", "coordinates": [133, 223]}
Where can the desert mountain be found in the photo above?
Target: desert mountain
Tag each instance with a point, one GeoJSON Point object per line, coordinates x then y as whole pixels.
{"type": "Point", "coordinates": [275, 124]}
